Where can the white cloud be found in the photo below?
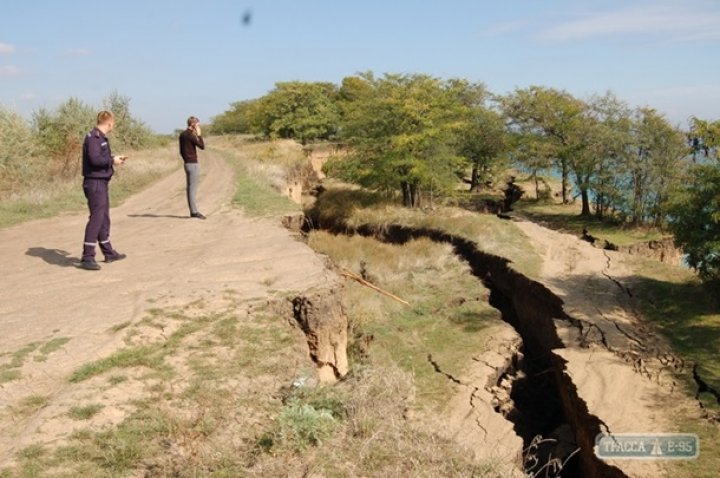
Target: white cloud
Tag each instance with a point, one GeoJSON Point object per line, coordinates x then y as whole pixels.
{"type": "Point", "coordinates": [77, 52]}
{"type": "Point", "coordinates": [7, 71]}
{"type": "Point", "coordinates": [679, 23]}
{"type": "Point", "coordinates": [6, 49]}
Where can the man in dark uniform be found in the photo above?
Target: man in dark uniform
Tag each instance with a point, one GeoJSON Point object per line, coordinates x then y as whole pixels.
{"type": "Point", "coordinates": [97, 169]}
{"type": "Point", "coordinates": [190, 140]}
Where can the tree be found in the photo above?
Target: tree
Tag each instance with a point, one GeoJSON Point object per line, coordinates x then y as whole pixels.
{"type": "Point", "coordinates": [704, 138]}
{"type": "Point", "coordinates": [558, 119]}
{"type": "Point", "coordinates": [608, 136]}
{"type": "Point", "coordinates": [234, 120]}
{"type": "Point", "coordinates": [403, 131]}
{"type": "Point", "coordinates": [483, 140]}
{"type": "Point", "coordinates": [129, 132]}
{"type": "Point", "coordinates": [532, 153]}
{"type": "Point", "coordinates": [296, 110]}
{"type": "Point", "coordinates": [61, 132]}
{"type": "Point", "coordinates": [694, 219]}
{"type": "Point", "coordinates": [16, 142]}
{"type": "Point", "coordinates": [654, 166]}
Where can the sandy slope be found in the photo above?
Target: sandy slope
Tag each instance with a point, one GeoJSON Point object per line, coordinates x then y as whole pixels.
{"type": "Point", "coordinates": [615, 365]}
{"type": "Point", "coordinates": [171, 260]}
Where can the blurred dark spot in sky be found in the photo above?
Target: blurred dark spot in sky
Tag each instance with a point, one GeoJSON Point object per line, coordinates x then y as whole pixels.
{"type": "Point", "coordinates": [247, 18]}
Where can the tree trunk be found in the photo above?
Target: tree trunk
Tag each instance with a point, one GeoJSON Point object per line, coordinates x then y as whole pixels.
{"type": "Point", "coordinates": [564, 167]}
{"type": "Point", "coordinates": [537, 186]}
{"type": "Point", "coordinates": [414, 195]}
{"type": "Point", "coordinates": [637, 207]}
{"type": "Point", "coordinates": [405, 187]}
{"type": "Point", "coordinates": [474, 178]}
{"type": "Point", "coordinates": [585, 201]}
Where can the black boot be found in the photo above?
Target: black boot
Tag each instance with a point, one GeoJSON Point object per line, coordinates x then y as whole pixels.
{"type": "Point", "coordinates": [89, 265]}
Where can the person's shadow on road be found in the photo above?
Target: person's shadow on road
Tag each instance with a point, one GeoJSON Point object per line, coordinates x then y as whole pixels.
{"type": "Point", "coordinates": [56, 257]}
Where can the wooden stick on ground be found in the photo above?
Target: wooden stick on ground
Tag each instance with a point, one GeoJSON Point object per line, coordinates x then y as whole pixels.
{"type": "Point", "coordinates": [359, 279]}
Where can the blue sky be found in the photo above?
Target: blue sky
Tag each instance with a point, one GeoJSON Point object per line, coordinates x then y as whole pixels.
{"type": "Point", "coordinates": [177, 58]}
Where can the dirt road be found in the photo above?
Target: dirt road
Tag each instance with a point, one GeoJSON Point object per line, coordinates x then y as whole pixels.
{"type": "Point", "coordinates": [55, 317]}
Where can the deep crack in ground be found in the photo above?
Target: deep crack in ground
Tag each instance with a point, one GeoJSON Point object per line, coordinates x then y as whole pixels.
{"type": "Point", "coordinates": [546, 401]}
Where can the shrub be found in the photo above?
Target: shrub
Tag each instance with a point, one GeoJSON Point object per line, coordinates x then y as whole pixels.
{"type": "Point", "coordinates": [16, 143]}
{"type": "Point", "coordinates": [302, 425]}
{"type": "Point", "coordinates": [61, 133]}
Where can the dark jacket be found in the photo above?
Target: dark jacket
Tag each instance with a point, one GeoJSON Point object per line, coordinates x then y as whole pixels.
{"type": "Point", "coordinates": [189, 142]}
{"type": "Point", "coordinates": [97, 161]}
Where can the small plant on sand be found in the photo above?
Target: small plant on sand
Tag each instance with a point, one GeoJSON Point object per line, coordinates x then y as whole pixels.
{"type": "Point", "coordinates": [302, 425]}
{"type": "Point", "coordinates": [85, 412]}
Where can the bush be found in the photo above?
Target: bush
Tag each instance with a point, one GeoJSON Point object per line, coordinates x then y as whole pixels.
{"type": "Point", "coordinates": [61, 134]}
{"type": "Point", "coordinates": [129, 132]}
{"type": "Point", "coordinates": [302, 425]}
{"type": "Point", "coordinates": [16, 144]}
{"type": "Point", "coordinates": [695, 220]}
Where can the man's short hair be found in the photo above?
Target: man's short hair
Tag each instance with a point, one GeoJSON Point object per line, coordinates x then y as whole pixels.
{"type": "Point", "coordinates": [104, 117]}
{"type": "Point", "coordinates": [191, 121]}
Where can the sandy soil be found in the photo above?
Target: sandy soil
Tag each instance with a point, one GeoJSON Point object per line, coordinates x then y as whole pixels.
{"type": "Point", "coordinates": [472, 420]}
{"type": "Point", "coordinates": [614, 361]}
{"type": "Point", "coordinates": [172, 260]}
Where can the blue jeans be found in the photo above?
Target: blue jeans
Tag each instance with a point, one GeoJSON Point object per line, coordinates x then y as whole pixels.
{"type": "Point", "coordinates": [192, 174]}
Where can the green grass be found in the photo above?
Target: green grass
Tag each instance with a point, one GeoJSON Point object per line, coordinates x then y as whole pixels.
{"type": "Point", "coordinates": [451, 322]}
{"type": "Point", "coordinates": [9, 375]}
{"type": "Point", "coordinates": [684, 310]}
{"type": "Point", "coordinates": [253, 194]}
{"type": "Point", "coordinates": [85, 412]}
{"type": "Point", "coordinates": [355, 207]}
{"type": "Point", "coordinates": [53, 345]}
{"type": "Point", "coordinates": [9, 371]}
{"type": "Point", "coordinates": [142, 356]}
{"type": "Point", "coordinates": [567, 218]}
{"type": "Point", "coordinates": [49, 347]}
{"type": "Point", "coordinates": [687, 313]}
{"type": "Point", "coordinates": [234, 411]}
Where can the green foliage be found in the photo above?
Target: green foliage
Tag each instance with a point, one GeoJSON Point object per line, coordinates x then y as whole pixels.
{"type": "Point", "coordinates": [61, 133]}
{"type": "Point", "coordinates": [234, 120]}
{"type": "Point", "coordinates": [653, 167]}
{"type": "Point", "coordinates": [141, 356]}
{"type": "Point", "coordinates": [695, 220]}
{"type": "Point", "coordinates": [624, 161]}
{"type": "Point", "coordinates": [705, 138]}
{"type": "Point", "coordinates": [404, 131]}
{"type": "Point", "coordinates": [609, 140]}
{"type": "Point", "coordinates": [483, 143]}
{"type": "Point", "coordinates": [16, 143]}
{"type": "Point", "coordinates": [296, 110]}
{"type": "Point", "coordinates": [85, 412]}
{"type": "Point", "coordinates": [129, 132]}
{"type": "Point", "coordinates": [553, 125]}
{"type": "Point", "coordinates": [303, 425]}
